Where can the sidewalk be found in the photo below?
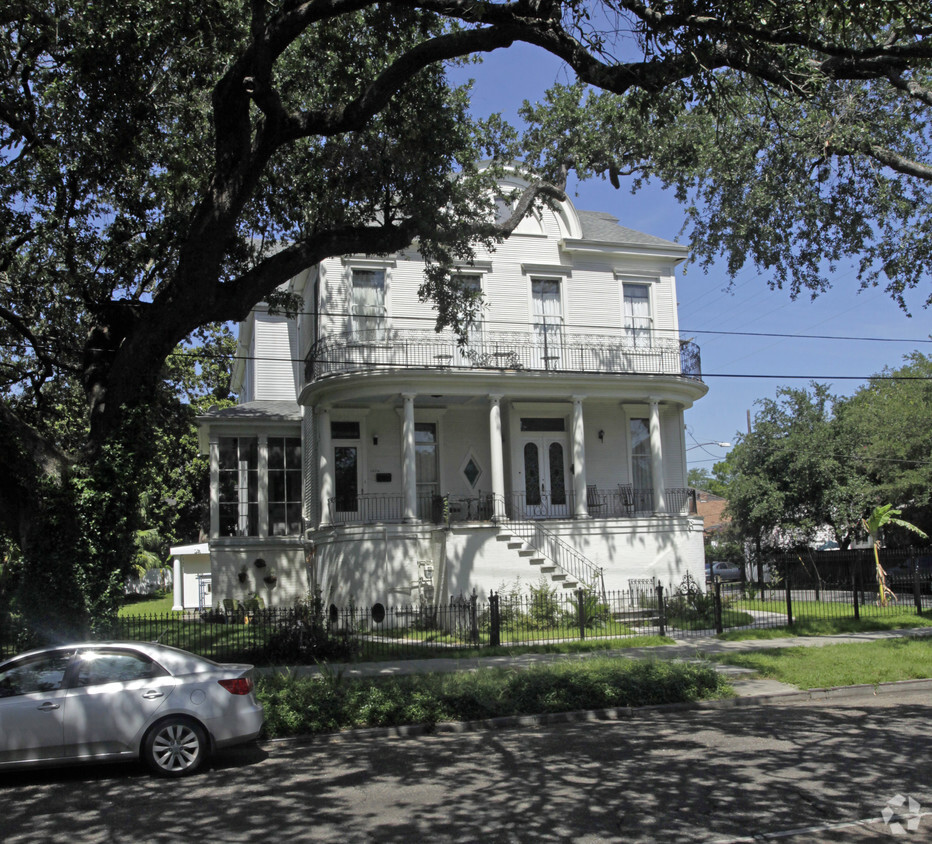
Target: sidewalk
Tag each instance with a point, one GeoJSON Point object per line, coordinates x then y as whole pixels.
{"type": "Point", "coordinates": [745, 685]}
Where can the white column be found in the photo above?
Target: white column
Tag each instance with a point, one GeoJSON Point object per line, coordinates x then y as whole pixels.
{"type": "Point", "coordinates": [409, 466]}
{"type": "Point", "coordinates": [177, 585]}
{"type": "Point", "coordinates": [581, 510]}
{"type": "Point", "coordinates": [325, 464]}
{"type": "Point", "coordinates": [498, 464]}
{"type": "Point", "coordinates": [656, 458]}
{"type": "Point", "coordinates": [263, 485]}
{"type": "Point", "coordinates": [214, 486]}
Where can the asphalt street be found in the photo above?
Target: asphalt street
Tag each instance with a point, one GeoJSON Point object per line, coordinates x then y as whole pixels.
{"type": "Point", "coordinates": [794, 770]}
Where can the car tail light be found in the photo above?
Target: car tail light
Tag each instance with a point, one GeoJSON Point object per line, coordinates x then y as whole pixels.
{"type": "Point", "coordinates": [239, 686]}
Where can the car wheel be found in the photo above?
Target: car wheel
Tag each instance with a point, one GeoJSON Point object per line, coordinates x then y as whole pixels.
{"type": "Point", "coordinates": [175, 747]}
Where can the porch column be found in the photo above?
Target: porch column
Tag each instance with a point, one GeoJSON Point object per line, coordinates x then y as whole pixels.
{"type": "Point", "coordinates": [656, 458]}
{"type": "Point", "coordinates": [498, 465]}
{"type": "Point", "coordinates": [177, 585]}
{"type": "Point", "coordinates": [409, 466]}
{"type": "Point", "coordinates": [263, 485]}
{"type": "Point", "coordinates": [214, 485]}
{"type": "Point", "coordinates": [581, 510]}
{"type": "Point", "coordinates": [325, 464]}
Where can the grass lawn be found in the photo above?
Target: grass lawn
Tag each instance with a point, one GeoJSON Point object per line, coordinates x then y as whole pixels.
{"type": "Point", "coordinates": [883, 661]}
{"type": "Point", "coordinates": [808, 623]}
{"type": "Point", "coordinates": [145, 605]}
{"type": "Point", "coordinates": [329, 702]}
{"type": "Point", "coordinates": [374, 650]}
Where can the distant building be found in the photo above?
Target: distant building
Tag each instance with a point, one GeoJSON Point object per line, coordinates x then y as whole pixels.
{"type": "Point", "coordinates": [712, 510]}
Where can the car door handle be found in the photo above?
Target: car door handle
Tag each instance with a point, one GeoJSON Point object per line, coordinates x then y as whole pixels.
{"type": "Point", "coordinates": [152, 694]}
{"type": "Point", "coordinates": [48, 706]}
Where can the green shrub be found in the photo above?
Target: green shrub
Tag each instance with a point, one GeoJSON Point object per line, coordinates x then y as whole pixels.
{"type": "Point", "coordinates": [330, 702]}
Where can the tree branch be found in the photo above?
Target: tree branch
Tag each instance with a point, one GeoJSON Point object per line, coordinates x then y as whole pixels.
{"type": "Point", "coordinates": [887, 157]}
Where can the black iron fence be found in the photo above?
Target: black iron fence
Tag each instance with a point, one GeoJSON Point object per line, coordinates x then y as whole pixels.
{"type": "Point", "coordinates": [801, 593]}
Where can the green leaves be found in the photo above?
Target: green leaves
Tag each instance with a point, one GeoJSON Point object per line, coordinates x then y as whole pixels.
{"type": "Point", "coordinates": [793, 472]}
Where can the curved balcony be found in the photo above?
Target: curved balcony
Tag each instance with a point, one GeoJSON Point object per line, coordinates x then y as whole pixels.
{"type": "Point", "coordinates": [532, 351]}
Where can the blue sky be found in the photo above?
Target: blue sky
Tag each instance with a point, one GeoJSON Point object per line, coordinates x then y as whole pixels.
{"type": "Point", "coordinates": [736, 367]}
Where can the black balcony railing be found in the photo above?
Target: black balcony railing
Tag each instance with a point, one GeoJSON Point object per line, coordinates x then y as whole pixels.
{"type": "Point", "coordinates": [623, 502]}
{"type": "Point", "coordinates": [363, 351]}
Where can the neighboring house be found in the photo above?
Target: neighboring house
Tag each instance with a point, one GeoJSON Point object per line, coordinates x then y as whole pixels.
{"type": "Point", "coordinates": [712, 510]}
{"type": "Point", "coordinates": [380, 461]}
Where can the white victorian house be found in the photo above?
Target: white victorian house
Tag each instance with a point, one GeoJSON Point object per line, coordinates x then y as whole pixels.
{"type": "Point", "coordinates": [379, 461]}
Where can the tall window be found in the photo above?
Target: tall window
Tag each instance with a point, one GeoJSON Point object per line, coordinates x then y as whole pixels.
{"type": "Point", "coordinates": [638, 323]}
{"type": "Point", "coordinates": [548, 321]}
{"type": "Point", "coordinates": [239, 486]}
{"type": "Point", "coordinates": [346, 474]}
{"type": "Point", "coordinates": [284, 486]}
{"type": "Point", "coordinates": [425, 467]}
{"type": "Point", "coordinates": [463, 356]}
{"type": "Point", "coordinates": [369, 313]}
{"type": "Point", "coordinates": [346, 466]}
{"type": "Point", "coordinates": [641, 473]}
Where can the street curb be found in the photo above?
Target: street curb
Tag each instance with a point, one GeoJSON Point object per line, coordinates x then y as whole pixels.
{"type": "Point", "coordinates": [610, 714]}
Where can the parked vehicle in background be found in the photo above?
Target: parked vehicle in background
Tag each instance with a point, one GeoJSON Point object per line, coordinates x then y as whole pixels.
{"type": "Point", "coordinates": [123, 700]}
{"type": "Point", "coordinates": [901, 576]}
{"type": "Point", "coordinates": [723, 571]}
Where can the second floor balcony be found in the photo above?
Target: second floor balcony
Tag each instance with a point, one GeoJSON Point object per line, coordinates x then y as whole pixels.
{"type": "Point", "coordinates": [533, 351]}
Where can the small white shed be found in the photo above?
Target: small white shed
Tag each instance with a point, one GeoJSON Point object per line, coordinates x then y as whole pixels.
{"type": "Point", "coordinates": [191, 569]}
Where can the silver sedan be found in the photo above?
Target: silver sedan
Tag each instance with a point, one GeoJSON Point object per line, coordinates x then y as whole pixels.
{"type": "Point", "coordinates": [123, 700]}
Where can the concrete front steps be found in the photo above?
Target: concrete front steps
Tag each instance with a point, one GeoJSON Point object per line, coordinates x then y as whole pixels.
{"type": "Point", "coordinates": [545, 566]}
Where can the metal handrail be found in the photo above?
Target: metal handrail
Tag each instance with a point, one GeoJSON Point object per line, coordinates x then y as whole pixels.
{"type": "Point", "coordinates": [561, 554]}
{"type": "Point", "coordinates": [360, 351]}
{"type": "Point", "coordinates": [626, 501]}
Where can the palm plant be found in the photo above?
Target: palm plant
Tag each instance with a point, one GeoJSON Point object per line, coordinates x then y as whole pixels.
{"type": "Point", "coordinates": [880, 517]}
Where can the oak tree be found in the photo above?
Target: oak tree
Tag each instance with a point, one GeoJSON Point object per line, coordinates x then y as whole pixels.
{"type": "Point", "coordinates": [166, 165]}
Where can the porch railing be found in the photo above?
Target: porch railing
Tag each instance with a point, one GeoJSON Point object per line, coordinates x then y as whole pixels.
{"type": "Point", "coordinates": [362, 351]}
{"type": "Point", "coordinates": [622, 502]}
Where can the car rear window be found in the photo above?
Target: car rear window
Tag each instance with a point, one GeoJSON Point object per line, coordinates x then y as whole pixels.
{"type": "Point", "coordinates": [97, 667]}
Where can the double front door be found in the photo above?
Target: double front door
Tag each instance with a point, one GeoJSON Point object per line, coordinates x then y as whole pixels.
{"type": "Point", "coordinates": [546, 485]}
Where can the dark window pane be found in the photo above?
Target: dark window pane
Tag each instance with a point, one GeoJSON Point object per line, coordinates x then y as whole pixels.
{"type": "Point", "coordinates": [294, 519]}
{"type": "Point", "coordinates": [472, 472]}
{"type": "Point", "coordinates": [277, 525]}
{"type": "Point", "coordinates": [276, 454]}
{"type": "Point", "coordinates": [228, 452]}
{"type": "Point", "coordinates": [228, 519]}
{"type": "Point", "coordinates": [425, 432]}
{"type": "Point", "coordinates": [345, 478]}
{"type": "Point", "coordinates": [531, 474]}
{"type": "Point", "coordinates": [544, 424]}
{"type": "Point", "coordinates": [344, 430]}
{"type": "Point", "coordinates": [293, 487]}
{"type": "Point", "coordinates": [557, 478]}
